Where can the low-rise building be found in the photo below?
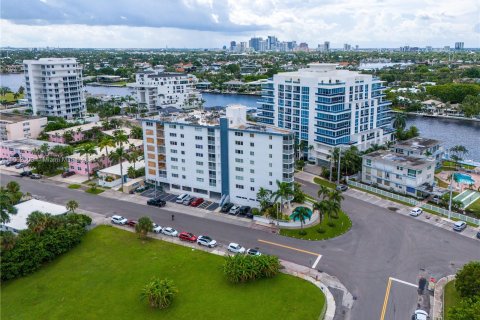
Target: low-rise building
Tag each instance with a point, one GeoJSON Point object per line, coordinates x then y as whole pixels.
{"type": "Point", "coordinates": [23, 149]}
{"type": "Point", "coordinates": [77, 133]}
{"type": "Point", "coordinates": [112, 176]}
{"type": "Point", "coordinates": [421, 148]}
{"type": "Point", "coordinates": [16, 126]}
{"type": "Point", "coordinates": [218, 155]}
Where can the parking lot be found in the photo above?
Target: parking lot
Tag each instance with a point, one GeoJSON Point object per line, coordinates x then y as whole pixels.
{"type": "Point", "coordinates": [169, 197]}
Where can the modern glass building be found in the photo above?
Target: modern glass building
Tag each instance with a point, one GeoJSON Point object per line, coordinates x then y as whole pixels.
{"type": "Point", "coordinates": [327, 108]}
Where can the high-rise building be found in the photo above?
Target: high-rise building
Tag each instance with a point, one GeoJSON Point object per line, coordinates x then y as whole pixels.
{"type": "Point", "coordinates": [217, 154]}
{"type": "Point", "coordinates": [157, 90]}
{"type": "Point", "coordinates": [459, 45]}
{"type": "Point", "coordinates": [347, 47]}
{"type": "Point", "coordinates": [326, 45]}
{"type": "Point", "coordinates": [272, 43]}
{"type": "Point", "coordinates": [54, 87]}
{"type": "Point", "coordinates": [233, 46]}
{"type": "Point", "coordinates": [255, 43]}
{"type": "Point", "coordinates": [328, 108]}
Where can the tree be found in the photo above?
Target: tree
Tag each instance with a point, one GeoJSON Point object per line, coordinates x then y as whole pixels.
{"type": "Point", "coordinates": [131, 172]}
{"type": "Point", "coordinates": [120, 137]}
{"type": "Point", "coordinates": [301, 213]}
{"type": "Point", "coordinates": [322, 207]}
{"type": "Point", "coordinates": [7, 205]}
{"type": "Point", "coordinates": [466, 309]}
{"type": "Point", "coordinates": [68, 136]}
{"type": "Point", "coordinates": [38, 221]}
{"type": "Point", "coordinates": [88, 150]}
{"type": "Point", "coordinates": [72, 205]}
{"type": "Point", "coordinates": [13, 188]}
{"type": "Point", "coordinates": [400, 121]}
{"type": "Point", "coordinates": [298, 195]}
{"type": "Point", "coordinates": [159, 293]}
{"type": "Point", "coordinates": [323, 191]}
{"type": "Point", "coordinates": [105, 142]}
{"type": "Point", "coordinates": [119, 155]}
{"type": "Point", "coordinates": [8, 240]}
{"type": "Point", "coordinates": [471, 106]}
{"type": "Point", "coordinates": [136, 132]}
{"type": "Point", "coordinates": [284, 190]}
{"type": "Point", "coordinates": [467, 281]}
{"type": "Point", "coordinates": [144, 226]}
{"type": "Point", "coordinates": [264, 197]}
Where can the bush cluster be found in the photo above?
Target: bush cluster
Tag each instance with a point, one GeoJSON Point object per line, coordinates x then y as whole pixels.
{"type": "Point", "coordinates": [243, 268]}
{"type": "Point", "coordinates": [467, 284]}
{"type": "Point", "coordinates": [31, 248]}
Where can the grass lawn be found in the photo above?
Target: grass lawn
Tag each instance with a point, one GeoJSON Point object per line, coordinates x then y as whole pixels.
{"type": "Point", "coordinates": [102, 279]}
{"type": "Point", "coordinates": [324, 182]}
{"type": "Point", "coordinates": [474, 208]}
{"type": "Point", "coordinates": [342, 225]}
{"type": "Point", "coordinates": [94, 191]}
{"type": "Point", "coordinates": [74, 186]}
{"type": "Point", "coordinates": [441, 183]}
{"type": "Point", "coordinates": [9, 97]}
{"type": "Point", "coordinates": [451, 298]}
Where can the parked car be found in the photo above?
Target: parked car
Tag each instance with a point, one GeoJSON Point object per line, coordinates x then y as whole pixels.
{"type": "Point", "coordinates": [478, 235]}
{"type": "Point", "coordinates": [11, 163]}
{"type": "Point", "coordinates": [67, 174]}
{"type": "Point", "coordinates": [156, 202]}
{"type": "Point", "coordinates": [206, 241]}
{"type": "Point", "coordinates": [420, 315]}
{"type": "Point", "coordinates": [36, 176]}
{"type": "Point", "coordinates": [244, 210]}
{"type": "Point", "coordinates": [170, 232]}
{"type": "Point", "coordinates": [226, 207]}
{"type": "Point", "coordinates": [181, 197]}
{"type": "Point", "coordinates": [131, 223]}
{"type": "Point", "coordinates": [253, 252]}
{"type": "Point", "coordinates": [436, 199]}
{"type": "Point", "coordinates": [187, 236]}
{"type": "Point", "coordinates": [415, 212]}
{"type": "Point", "coordinates": [116, 219]}
{"type": "Point", "coordinates": [3, 161]}
{"type": "Point", "coordinates": [188, 200]}
{"type": "Point", "coordinates": [141, 189]}
{"type": "Point", "coordinates": [234, 210]}
{"type": "Point", "coordinates": [196, 202]}
{"type": "Point", "coordinates": [157, 228]}
{"type": "Point", "coordinates": [235, 248]}
{"type": "Point", "coordinates": [25, 173]}
{"type": "Point", "coordinates": [341, 187]}
{"type": "Point", "coordinates": [20, 165]}
{"type": "Point", "coordinates": [459, 226]}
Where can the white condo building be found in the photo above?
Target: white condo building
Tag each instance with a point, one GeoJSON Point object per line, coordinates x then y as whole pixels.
{"type": "Point", "coordinates": [327, 108]}
{"type": "Point", "coordinates": [157, 90]}
{"type": "Point", "coordinates": [217, 154]}
{"type": "Point", "coordinates": [54, 87]}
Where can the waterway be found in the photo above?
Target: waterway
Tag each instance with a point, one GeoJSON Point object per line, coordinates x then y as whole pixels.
{"type": "Point", "coordinates": [450, 131]}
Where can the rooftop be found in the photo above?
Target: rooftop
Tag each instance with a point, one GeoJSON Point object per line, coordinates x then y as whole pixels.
{"type": "Point", "coordinates": [115, 170]}
{"type": "Point", "coordinates": [102, 152]}
{"type": "Point", "coordinates": [392, 157]}
{"type": "Point", "coordinates": [18, 221]}
{"type": "Point", "coordinates": [325, 72]}
{"type": "Point", "coordinates": [83, 127]}
{"type": "Point", "coordinates": [417, 143]}
{"type": "Point", "coordinates": [14, 117]}
{"type": "Point", "coordinates": [28, 144]}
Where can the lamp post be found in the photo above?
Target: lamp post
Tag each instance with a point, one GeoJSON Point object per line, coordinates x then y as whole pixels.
{"type": "Point", "coordinates": [450, 198]}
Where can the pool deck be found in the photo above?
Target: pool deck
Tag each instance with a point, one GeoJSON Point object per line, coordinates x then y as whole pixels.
{"type": "Point", "coordinates": [459, 187]}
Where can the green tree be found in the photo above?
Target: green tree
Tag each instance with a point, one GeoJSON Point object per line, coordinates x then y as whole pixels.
{"type": "Point", "coordinates": [264, 197]}
{"type": "Point", "coordinates": [323, 191]}
{"type": "Point", "coordinates": [298, 195]}
{"type": "Point", "coordinates": [8, 240]}
{"type": "Point", "coordinates": [7, 205]}
{"type": "Point", "coordinates": [131, 172]}
{"type": "Point", "coordinates": [144, 226]}
{"type": "Point", "coordinates": [87, 150]}
{"type": "Point", "coordinates": [400, 121]}
{"type": "Point", "coordinates": [119, 155]}
{"type": "Point", "coordinates": [136, 132]}
{"type": "Point", "coordinates": [467, 281]}
{"type": "Point", "coordinates": [105, 143]}
{"type": "Point", "coordinates": [120, 137]}
{"type": "Point", "coordinates": [72, 205]}
{"type": "Point", "coordinates": [301, 213]}
{"type": "Point", "coordinates": [322, 207]}
{"type": "Point", "coordinates": [466, 309]}
{"type": "Point", "coordinates": [284, 191]}
{"type": "Point", "coordinates": [471, 106]}
{"type": "Point", "coordinates": [14, 189]}
{"type": "Point", "coordinates": [159, 293]}
{"type": "Point", "coordinates": [38, 221]}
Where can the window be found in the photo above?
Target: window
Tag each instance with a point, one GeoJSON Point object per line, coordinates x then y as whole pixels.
{"type": "Point", "coordinates": [173, 134]}
{"type": "Point", "coordinates": [199, 163]}
{"type": "Point", "coordinates": [270, 174]}
{"type": "Point", "coordinates": [198, 146]}
{"type": "Point", "coordinates": [198, 129]}
{"type": "Point", "coordinates": [182, 135]}
{"type": "Point", "coordinates": [252, 153]}
{"type": "Point", "coordinates": [252, 135]}
{"type": "Point", "coordinates": [199, 154]}
{"type": "Point", "coordinates": [199, 179]}
{"type": "Point", "coordinates": [270, 137]}
{"type": "Point", "coordinates": [270, 146]}
{"type": "Point", "coordinates": [369, 162]}
{"type": "Point", "coordinates": [239, 143]}
{"type": "Point", "coordinates": [239, 186]}
{"type": "Point", "coordinates": [270, 156]}
{"type": "Point", "coordinates": [238, 134]}
{"type": "Point", "coordinates": [198, 138]}
{"type": "Point", "coordinates": [238, 160]}
{"type": "Point", "coordinates": [173, 143]}
{"type": "Point", "coordinates": [239, 178]}
{"type": "Point", "coordinates": [174, 159]}
{"type": "Point", "coordinates": [173, 151]}
{"type": "Point", "coordinates": [240, 151]}
{"type": "Point", "coordinates": [270, 183]}
{"type": "Point", "coordinates": [252, 162]}
{"type": "Point", "coordinates": [184, 176]}
{"type": "Point", "coordinates": [252, 180]}
{"type": "Point", "coordinates": [252, 171]}
{"type": "Point", "coordinates": [199, 171]}
{"type": "Point", "coordinates": [252, 144]}
{"type": "Point", "coordinates": [270, 164]}
{"type": "Point", "coordinates": [174, 175]}
{"type": "Point", "coordinates": [174, 167]}
{"type": "Point", "coordinates": [240, 169]}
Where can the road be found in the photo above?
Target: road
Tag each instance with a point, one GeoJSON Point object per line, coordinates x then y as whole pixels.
{"type": "Point", "coordinates": [381, 244]}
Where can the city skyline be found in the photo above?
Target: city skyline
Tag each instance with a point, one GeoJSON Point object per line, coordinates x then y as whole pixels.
{"type": "Point", "coordinates": [213, 24]}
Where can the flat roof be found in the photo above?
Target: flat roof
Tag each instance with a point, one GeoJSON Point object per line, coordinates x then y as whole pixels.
{"type": "Point", "coordinates": [14, 117]}
{"type": "Point", "coordinates": [126, 165]}
{"type": "Point", "coordinates": [83, 127]}
{"type": "Point", "coordinates": [18, 221]}
{"type": "Point", "coordinates": [28, 144]}
{"type": "Point", "coordinates": [405, 161]}
{"type": "Point", "coordinates": [417, 143]}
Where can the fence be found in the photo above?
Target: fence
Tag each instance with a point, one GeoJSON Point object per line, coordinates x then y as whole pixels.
{"type": "Point", "coordinates": [414, 202]}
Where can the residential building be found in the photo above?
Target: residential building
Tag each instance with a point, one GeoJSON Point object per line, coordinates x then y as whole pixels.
{"type": "Point", "coordinates": [16, 126]}
{"type": "Point", "coordinates": [399, 173]}
{"type": "Point", "coordinates": [256, 43]}
{"type": "Point", "coordinates": [111, 176]}
{"type": "Point", "coordinates": [218, 155]}
{"type": "Point", "coordinates": [77, 133]}
{"type": "Point", "coordinates": [158, 90]}
{"type": "Point", "coordinates": [23, 149]}
{"type": "Point", "coordinates": [328, 108]}
{"type": "Point", "coordinates": [54, 87]}
{"type": "Point", "coordinates": [420, 148]}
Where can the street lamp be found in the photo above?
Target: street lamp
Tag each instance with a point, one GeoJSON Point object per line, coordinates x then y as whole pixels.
{"type": "Point", "coordinates": [450, 198]}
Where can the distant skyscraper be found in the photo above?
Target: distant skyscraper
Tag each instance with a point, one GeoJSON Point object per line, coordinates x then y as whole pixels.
{"type": "Point", "coordinates": [255, 43]}
{"type": "Point", "coordinates": [356, 47]}
{"type": "Point", "coordinates": [272, 43]}
{"type": "Point", "coordinates": [54, 87]}
{"type": "Point", "coordinates": [303, 46]}
{"type": "Point", "coordinates": [326, 45]}
{"type": "Point", "coordinates": [347, 47]}
{"type": "Point", "coordinates": [233, 46]}
{"type": "Point", "coordinates": [459, 45]}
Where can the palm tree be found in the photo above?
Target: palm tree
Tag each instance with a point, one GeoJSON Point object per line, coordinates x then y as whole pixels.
{"type": "Point", "coordinates": [263, 197]}
{"type": "Point", "coordinates": [38, 221]}
{"type": "Point", "coordinates": [284, 190]}
{"type": "Point", "coordinates": [6, 206]}
{"type": "Point", "coordinates": [107, 141]}
{"type": "Point", "coordinates": [88, 150]}
{"type": "Point", "coordinates": [322, 207]}
{"type": "Point", "coordinates": [8, 240]}
{"type": "Point", "coordinates": [119, 155]}
{"type": "Point", "coordinates": [72, 205]}
{"type": "Point", "coordinates": [131, 172]}
{"type": "Point", "coordinates": [159, 293]}
{"type": "Point", "coordinates": [323, 191]}
{"type": "Point", "coordinates": [400, 121]}
{"type": "Point", "coordinates": [301, 213]}
{"type": "Point", "coordinates": [335, 196]}
{"type": "Point", "coordinates": [120, 137]}
{"type": "Point", "coordinates": [13, 188]}
{"type": "Point", "coordinates": [144, 226]}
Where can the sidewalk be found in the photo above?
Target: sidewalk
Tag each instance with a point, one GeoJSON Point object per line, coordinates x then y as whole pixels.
{"type": "Point", "coordinates": [437, 313]}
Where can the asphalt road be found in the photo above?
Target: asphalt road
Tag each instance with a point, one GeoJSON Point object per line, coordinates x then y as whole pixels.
{"type": "Point", "coordinates": [380, 245]}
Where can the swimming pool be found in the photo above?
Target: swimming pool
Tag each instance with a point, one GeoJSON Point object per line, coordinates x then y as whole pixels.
{"type": "Point", "coordinates": [463, 178]}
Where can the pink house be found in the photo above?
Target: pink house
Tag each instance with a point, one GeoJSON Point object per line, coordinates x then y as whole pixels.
{"type": "Point", "coordinates": [78, 132]}
{"type": "Point", "coordinates": [22, 149]}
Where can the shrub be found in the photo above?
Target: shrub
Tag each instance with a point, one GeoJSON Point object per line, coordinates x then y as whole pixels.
{"type": "Point", "coordinates": [159, 293]}
{"type": "Point", "coordinates": [243, 268]}
{"type": "Point", "coordinates": [467, 280]}
{"type": "Point", "coordinates": [302, 232]}
{"type": "Point", "coordinates": [321, 230]}
{"type": "Point", "coordinates": [74, 186]}
{"type": "Point", "coordinates": [331, 224]}
{"type": "Point", "coordinates": [256, 212]}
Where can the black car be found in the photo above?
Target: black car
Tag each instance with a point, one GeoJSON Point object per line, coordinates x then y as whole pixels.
{"type": "Point", "coordinates": [11, 163]}
{"type": "Point", "coordinates": [244, 210]}
{"type": "Point", "coordinates": [26, 173]}
{"type": "Point", "coordinates": [478, 234]}
{"type": "Point", "coordinates": [68, 174]}
{"type": "Point", "coordinates": [226, 207]}
{"type": "Point", "coordinates": [156, 202]}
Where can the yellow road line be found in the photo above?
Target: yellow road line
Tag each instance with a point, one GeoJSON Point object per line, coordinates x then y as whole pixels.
{"type": "Point", "coordinates": [385, 301]}
{"type": "Point", "coordinates": [288, 247]}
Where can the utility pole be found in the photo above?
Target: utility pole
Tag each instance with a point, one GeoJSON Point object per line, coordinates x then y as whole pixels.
{"type": "Point", "coordinates": [450, 199]}
{"type": "Point", "coordinates": [338, 168]}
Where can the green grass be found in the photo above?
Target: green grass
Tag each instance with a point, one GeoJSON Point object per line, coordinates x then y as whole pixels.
{"type": "Point", "coordinates": [475, 207]}
{"type": "Point", "coordinates": [74, 186]}
{"type": "Point", "coordinates": [452, 164]}
{"type": "Point", "coordinates": [94, 191]}
{"type": "Point", "coordinates": [342, 225]}
{"type": "Point", "coordinates": [9, 97]}
{"type": "Point", "coordinates": [451, 298]}
{"type": "Point", "coordinates": [324, 182]}
{"type": "Point", "coordinates": [102, 279]}
{"type": "Point", "coordinates": [441, 183]}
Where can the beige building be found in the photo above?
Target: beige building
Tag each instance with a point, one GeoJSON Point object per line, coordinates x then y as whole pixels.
{"type": "Point", "coordinates": [17, 126]}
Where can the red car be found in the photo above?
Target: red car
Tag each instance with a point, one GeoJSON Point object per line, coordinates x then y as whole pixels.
{"type": "Point", "coordinates": [196, 202]}
{"type": "Point", "coordinates": [131, 223]}
{"type": "Point", "coordinates": [187, 236]}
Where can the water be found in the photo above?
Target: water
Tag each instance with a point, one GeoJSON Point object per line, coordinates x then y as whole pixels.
{"type": "Point", "coordinates": [214, 100]}
{"type": "Point", "coordinates": [463, 178]}
{"type": "Point", "coordinates": [12, 81]}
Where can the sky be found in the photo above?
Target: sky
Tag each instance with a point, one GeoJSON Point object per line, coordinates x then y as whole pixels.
{"type": "Point", "coordinates": [214, 23]}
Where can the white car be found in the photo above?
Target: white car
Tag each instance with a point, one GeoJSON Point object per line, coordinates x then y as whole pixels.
{"type": "Point", "coordinates": [235, 248]}
{"type": "Point", "coordinates": [170, 232]}
{"type": "Point", "coordinates": [416, 212]}
{"type": "Point", "coordinates": [206, 241]}
{"type": "Point", "coordinates": [157, 228]}
{"type": "Point", "coordinates": [420, 315]}
{"type": "Point", "coordinates": [4, 161]}
{"type": "Point", "coordinates": [234, 210]}
{"type": "Point", "coordinates": [253, 252]}
{"type": "Point", "coordinates": [181, 197]}
{"type": "Point", "coordinates": [119, 220]}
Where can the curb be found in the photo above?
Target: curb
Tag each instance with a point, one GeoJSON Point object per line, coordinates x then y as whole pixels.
{"type": "Point", "coordinates": [438, 297]}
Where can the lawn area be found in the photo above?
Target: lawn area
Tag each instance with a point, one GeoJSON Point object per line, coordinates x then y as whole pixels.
{"type": "Point", "coordinates": [102, 279]}
{"type": "Point", "coordinates": [74, 186]}
{"type": "Point", "coordinates": [341, 225]}
{"type": "Point", "coordinates": [94, 191]}
{"type": "Point", "coordinates": [451, 298]}
{"type": "Point", "coordinates": [475, 208]}
{"type": "Point", "coordinates": [324, 182]}
{"type": "Point", "coordinates": [441, 183]}
{"type": "Point", "coordinates": [9, 97]}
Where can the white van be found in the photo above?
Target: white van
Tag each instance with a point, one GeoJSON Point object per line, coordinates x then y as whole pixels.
{"type": "Point", "coordinates": [181, 198]}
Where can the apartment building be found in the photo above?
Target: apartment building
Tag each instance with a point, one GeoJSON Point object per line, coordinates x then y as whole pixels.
{"type": "Point", "coordinates": [327, 108]}
{"type": "Point", "coordinates": [405, 174]}
{"type": "Point", "coordinates": [158, 90]}
{"type": "Point", "coordinates": [23, 149]}
{"type": "Point", "coordinates": [16, 126]}
{"type": "Point", "coordinates": [217, 155]}
{"type": "Point", "coordinates": [420, 148]}
{"type": "Point", "coordinates": [54, 87]}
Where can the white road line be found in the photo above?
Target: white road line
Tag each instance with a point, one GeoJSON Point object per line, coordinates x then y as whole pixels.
{"type": "Point", "coordinates": [404, 282]}
{"type": "Point", "coordinates": [316, 261]}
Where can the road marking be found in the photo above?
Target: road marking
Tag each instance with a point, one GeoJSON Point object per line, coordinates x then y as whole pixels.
{"type": "Point", "coordinates": [316, 261]}
{"type": "Point", "coordinates": [404, 282]}
{"type": "Point", "coordinates": [288, 247]}
{"type": "Point", "coordinates": [385, 301]}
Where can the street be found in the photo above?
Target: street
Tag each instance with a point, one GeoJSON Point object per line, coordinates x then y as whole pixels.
{"type": "Point", "coordinates": [381, 244]}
